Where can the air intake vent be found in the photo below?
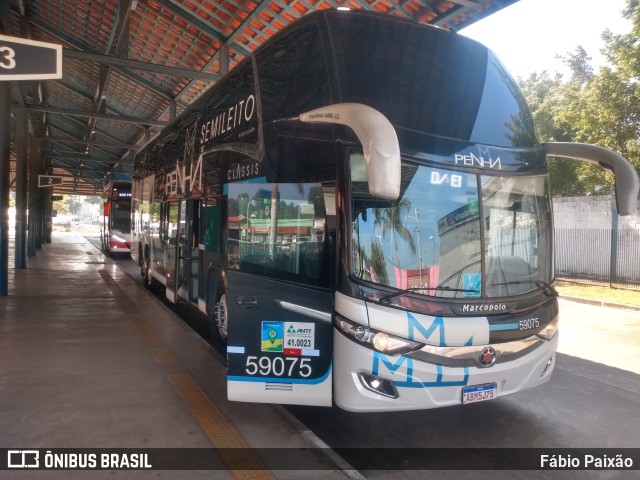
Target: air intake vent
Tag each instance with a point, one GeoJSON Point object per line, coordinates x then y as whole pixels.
{"type": "Point", "coordinates": [282, 387]}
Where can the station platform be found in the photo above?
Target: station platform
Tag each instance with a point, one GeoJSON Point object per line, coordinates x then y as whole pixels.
{"type": "Point", "coordinates": [92, 360]}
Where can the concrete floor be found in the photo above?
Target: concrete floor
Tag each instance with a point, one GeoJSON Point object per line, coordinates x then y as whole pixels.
{"type": "Point", "coordinates": [90, 359]}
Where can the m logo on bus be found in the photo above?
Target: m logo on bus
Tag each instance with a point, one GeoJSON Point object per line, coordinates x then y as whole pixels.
{"type": "Point", "coordinates": [402, 372]}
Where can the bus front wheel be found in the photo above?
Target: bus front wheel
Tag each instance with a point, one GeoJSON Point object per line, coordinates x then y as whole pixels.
{"type": "Point", "coordinates": [220, 316]}
{"type": "Point", "coordinates": [146, 272]}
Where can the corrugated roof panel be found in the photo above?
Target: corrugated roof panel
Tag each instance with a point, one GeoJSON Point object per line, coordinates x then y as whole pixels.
{"type": "Point", "coordinates": [159, 36]}
{"type": "Point", "coordinates": [134, 99]}
{"type": "Point", "coordinates": [85, 22]}
{"type": "Point", "coordinates": [81, 76]}
{"type": "Point", "coordinates": [62, 97]}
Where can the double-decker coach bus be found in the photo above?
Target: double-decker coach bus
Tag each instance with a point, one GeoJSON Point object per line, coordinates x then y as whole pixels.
{"type": "Point", "coordinates": [361, 207]}
{"type": "Point", "coordinates": [116, 218]}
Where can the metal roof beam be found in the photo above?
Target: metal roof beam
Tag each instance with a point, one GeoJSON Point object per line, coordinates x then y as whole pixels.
{"type": "Point", "coordinates": [79, 173]}
{"type": "Point", "coordinates": [229, 42]}
{"type": "Point", "coordinates": [81, 141]}
{"type": "Point", "coordinates": [466, 3]}
{"type": "Point", "coordinates": [95, 145]}
{"type": "Point", "coordinates": [125, 71]}
{"type": "Point", "coordinates": [81, 156]}
{"type": "Point", "coordinates": [180, 11]}
{"type": "Point", "coordinates": [135, 64]}
{"type": "Point", "coordinates": [68, 175]}
{"type": "Point", "coordinates": [80, 161]}
{"type": "Point", "coordinates": [89, 159]}
{"type": "Point", "coordinates": [103, 132]}
{"type": "Point", "coordinates": [86, 97]}
{"type": "Point", "coordinates": [73, 172]}
{"type": "Point", "coordinates": [5, 23]}
{"type": "Point", "coordinates": [105, 116]}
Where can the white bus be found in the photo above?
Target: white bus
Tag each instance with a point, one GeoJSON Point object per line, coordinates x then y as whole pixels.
{"type": "Point", "coordinates": [361, 207]}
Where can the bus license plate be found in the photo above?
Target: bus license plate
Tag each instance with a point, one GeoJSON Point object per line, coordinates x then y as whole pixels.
{"type": "Point", "coordinates": [479, 393]}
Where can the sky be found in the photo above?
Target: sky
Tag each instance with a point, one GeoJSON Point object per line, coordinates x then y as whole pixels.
{"type": "Point", "coordinates": [528, 35]}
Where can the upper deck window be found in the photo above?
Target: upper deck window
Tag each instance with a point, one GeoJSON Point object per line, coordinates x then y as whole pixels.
{"type": "Point", "coordinates": [431, 81]}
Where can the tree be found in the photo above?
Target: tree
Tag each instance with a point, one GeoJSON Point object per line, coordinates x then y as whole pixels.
{"type": "Point", "coordinates": [547, 96]}
{"type": "Point", "coordinates": [73, 203]}
{"type": "Point", "coordinates": [61, 206]}
{"type": "Point", "coordinates": [379, 264]}
{"type": "Point", "coordinates": [390, 219]}
{"type": "Point", "coordinates": [601, 108]}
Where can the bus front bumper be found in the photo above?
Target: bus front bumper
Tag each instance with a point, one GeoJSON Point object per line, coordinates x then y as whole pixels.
{"type": "Point", "coordinates": [410, 384]}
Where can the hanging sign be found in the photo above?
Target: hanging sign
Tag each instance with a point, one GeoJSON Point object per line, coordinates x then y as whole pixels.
{"type": "Point", "coordinates": [49, 180]}
{"type": "Point", "coordinates": [23, 59]}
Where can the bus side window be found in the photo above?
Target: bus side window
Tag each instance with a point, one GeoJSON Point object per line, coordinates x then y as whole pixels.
{"type": "Point", "coordinates": [284, 239]}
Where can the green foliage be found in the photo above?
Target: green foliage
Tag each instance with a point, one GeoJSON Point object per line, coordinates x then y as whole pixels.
{"type": "Point", "coordinates": [602, 108]}
{"type": "Point", "coordinates": [61, 206]}
{"type": "Point", "coordinates": [390, 220]}
{"type": "Point", "coordinates": [73, 203]}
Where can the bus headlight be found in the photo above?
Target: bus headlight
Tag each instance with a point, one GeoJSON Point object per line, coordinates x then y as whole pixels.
{"type": "Point", "coordinates": [375, 339]}
{"type": "Point", "coordinates": [549, 331]}
{"type": "Point", "coordinates": [118, 238]}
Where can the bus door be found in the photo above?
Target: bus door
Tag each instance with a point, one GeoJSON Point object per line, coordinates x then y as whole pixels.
{"type": "Point", "coordinates": [170, 243]}
{"type": "Point", "coordinates": [279, 300]}
{"type": "Point", "coordinates": [188, 258]}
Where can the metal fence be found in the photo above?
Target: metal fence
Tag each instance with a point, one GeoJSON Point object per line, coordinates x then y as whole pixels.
{"type": "Point", "coordinates": [598, 256]}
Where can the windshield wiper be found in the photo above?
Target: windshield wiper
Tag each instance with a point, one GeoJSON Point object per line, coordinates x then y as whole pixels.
{"type": "Point", "coordinates": [547, 286]}
{"type": "Point", "coordinates": [388, 298]}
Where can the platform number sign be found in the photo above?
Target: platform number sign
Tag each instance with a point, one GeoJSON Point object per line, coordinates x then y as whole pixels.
{"type": "Point", "coordinates": [22, 59]}
{"type": "Point", "coordinates": [49, 180]}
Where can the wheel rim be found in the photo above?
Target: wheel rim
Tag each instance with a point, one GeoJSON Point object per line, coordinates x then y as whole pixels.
{"type": "Point", "coordinates": [147, 272]}
{"type": "Point", "coordinates": [221, 316]}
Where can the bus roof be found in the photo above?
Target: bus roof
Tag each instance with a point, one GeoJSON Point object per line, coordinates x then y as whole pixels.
{"type": "Point", "coordinates": [445, 94]}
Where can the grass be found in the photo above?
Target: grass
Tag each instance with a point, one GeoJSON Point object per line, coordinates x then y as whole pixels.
{"type": "Point", "coordinates": [599, 292]}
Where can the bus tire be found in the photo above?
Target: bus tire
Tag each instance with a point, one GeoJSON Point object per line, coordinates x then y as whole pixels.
{"type": "Point", "coordinates": [141, 261]}
{"type": "Point", "coordinates": [146, 271]}
{"type": "Point", "coordinates": [217, 305]}
{"type": "Point", "coordinates": [219, 317]}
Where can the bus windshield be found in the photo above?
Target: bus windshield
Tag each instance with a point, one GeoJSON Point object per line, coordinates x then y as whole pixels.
{"type": "Point", "coordinates": [121, 215]}
{"type": "Point", "coordinates": [453, 234]}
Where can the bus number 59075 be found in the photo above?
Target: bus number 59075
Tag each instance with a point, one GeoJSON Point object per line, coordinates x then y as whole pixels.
{"type": "Point", "coordinates": [278, 366]}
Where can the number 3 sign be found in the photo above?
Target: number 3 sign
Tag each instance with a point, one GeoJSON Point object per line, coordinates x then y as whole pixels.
{"type": "Point", "coordinates": [22, 59]}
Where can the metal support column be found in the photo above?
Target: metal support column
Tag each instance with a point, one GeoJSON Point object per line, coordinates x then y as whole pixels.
{"type": "Point", "coordinates": [40, 217]}
{"type": "Point", "coordinates": [48, 217]}
{"type": "Point", "coordinates": [34, 165]}
{"type": "Point", "coordinates": [5, 152]}
{"type": "Point", "coordinates": [22, 168]}
{"type": "Point", "coordinates": [613, 265]}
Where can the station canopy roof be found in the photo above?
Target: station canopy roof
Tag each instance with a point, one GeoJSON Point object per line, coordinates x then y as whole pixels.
{"type": "Point", "coordinates": [130, 66]}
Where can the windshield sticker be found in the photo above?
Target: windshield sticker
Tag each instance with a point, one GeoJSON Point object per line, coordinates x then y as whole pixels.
{"type": "Point", "coordinates": [272, 337]}
{"type": "Point", "coordinates": [438, 178]}
{"type": "Point", "coordinates": [471, 281]}
{"type": "Point", "coordinates": [473, 206]}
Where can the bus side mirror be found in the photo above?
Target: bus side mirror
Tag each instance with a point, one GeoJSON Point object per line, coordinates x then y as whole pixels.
{"type": "Point", "coordinates": [379, 143]}
{"type": "Point", "coordinates": [626, 177]}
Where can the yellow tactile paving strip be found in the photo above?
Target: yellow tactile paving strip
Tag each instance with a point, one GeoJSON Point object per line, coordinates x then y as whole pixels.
{"type": "Point", "coordinates": [163, 355]}
{"type": "Point", "coordinates": [218, 430]}
{"type": "Point", "coordinates": [233, 450]}
{"type": "Point", "coordinates": [147, 332]}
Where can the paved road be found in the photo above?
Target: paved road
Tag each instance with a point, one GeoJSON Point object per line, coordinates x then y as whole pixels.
{"type": "Point", "coordinates": [606, 335]}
